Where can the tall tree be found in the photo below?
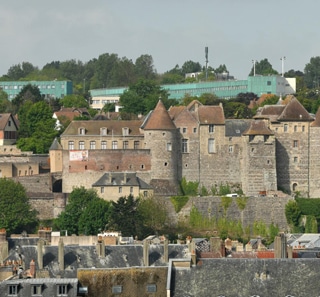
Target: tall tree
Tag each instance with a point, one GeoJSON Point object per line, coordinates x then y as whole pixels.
{"type": "Point", "coordinates": [28, 93]}
{"type": "Point", "coordinates": [125, 217]}
{"type": "Point", "coordinates": [16, 213]}
{"type": "Point", "coordinates": [144, 67]}
{"type": "Point", "coordinates": [84, 213]}
{"type": "Point", "coordinates": [263, 68]}
{"type": "Point", "coordinates": [312, 73]}
{"type": "Point", "coordinates": [190, 66]}
{"type": "Point", "coordinates": [143, 97]}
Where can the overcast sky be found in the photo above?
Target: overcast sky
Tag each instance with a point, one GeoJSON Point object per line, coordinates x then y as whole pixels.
{"type": "Point", "coordinates": [171, 31]}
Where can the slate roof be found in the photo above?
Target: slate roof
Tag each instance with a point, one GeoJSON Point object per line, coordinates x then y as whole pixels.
{"type": "Point", "coordinates": [159, 119]}
{"type": "Point", "coordinates": [113, 127]}
{"type": "Point", "coordinates": [235, 127]}
{"type": "Point", "coordinates": [55, 145]}
{"type": "Point", "coordinates": [258, 127]}
{"type": "Point", "coordinates": [117, 179]}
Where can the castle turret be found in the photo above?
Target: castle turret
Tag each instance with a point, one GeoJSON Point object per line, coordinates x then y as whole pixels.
{"type": "Point", "coordinates": [55, 152]}
{"type": "Point", "coordinates": [162, 138]}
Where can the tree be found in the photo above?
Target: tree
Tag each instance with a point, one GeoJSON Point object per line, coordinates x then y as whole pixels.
{"type": "Point", "coordinates": [84, 213]}
{"type": "Point", "coordinates": [37, 127]}
{"type": "Point", "coordinates": [190, 67]}
{"type": "Point", "coordinates": [143, 97]}
{"type": "Point", "coordinates": [293, 214]}
{"type": "Point", "coordinates": [312, 73]}
{"type": "Point", "coordinates": [263, 68]}
{"type": "Point", "coordinates": [144, 68]}
{"type": "Point", "coordinates": [153, 213]}
{"type": "Point", "coordinates": [16, 72]}
{"type": "Point", "coordinates": [16, 213]}
{"type": "Point", "coordinates": [125, 217]}
{"type": "Point", "coordinates": [28, 93]}
{"type": "Point", "coordinates": [5, 103]}
{"type": "Point", "coordinates": [76, 101]}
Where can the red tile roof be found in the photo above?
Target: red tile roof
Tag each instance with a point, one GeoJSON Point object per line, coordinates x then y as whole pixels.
{"type": "Point", "coordinates": [159, 119]}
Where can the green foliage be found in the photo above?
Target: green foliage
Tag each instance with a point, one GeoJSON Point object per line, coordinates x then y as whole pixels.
{"type": "Point", "coordinates": [260, 229]}
{"type": "Point", "coordinates": [309, 206]}
{"type": "Point", "coordinates": [311, 225]}
{"type": "Point", "coordinates": [189, 188]}
{"type": "Point", "coordinates": [224, 189]}
{"type": "Point", "coordinates": [16, 213]}
{"type": "Point", "coordinates": [293, 213]}
{"type": "Point", "coordinates": [204, 191]}
{"type": "Point", "coordinates": [125, 217]}
{"type": "Point", "coordinates": [37, 127]}
{"type": "Point", "coordinates": [225, 204]}
{"type": "Point", "coordinates": [29, 93]}
{"type": "Point", "coordinates": [312, 72]}
{"type": "Point", "coordinates": [263, 68]}
{"type": "Point", "coordinates": [153, 214]}
{"type": "Point", "coordinates": [143, 96]}
{"type": "Point", "coordinates": [75, 101]}
{"type": "Point", "coordinates": [85, 213]}
{"type": "Point", "coordinates": [179, 202]}
{"type": "Point", "coordinates": [242, 202]}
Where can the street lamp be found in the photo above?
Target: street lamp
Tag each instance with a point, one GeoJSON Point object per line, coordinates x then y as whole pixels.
{"type": "Point", "coordinates": [254, 67]}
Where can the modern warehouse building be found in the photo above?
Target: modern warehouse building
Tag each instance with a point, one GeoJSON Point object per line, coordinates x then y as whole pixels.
{"type": "Point", "coordinates": [53, 88]}
{"type": "Point", "coordinates": [226, 89]}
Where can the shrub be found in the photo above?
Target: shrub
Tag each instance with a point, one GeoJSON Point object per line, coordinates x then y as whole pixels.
{"type": "Point", "coordinates": [179, 202]}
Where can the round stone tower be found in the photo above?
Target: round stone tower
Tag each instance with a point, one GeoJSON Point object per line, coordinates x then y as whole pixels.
{"type": "Point", "coordinates": [162, 138]}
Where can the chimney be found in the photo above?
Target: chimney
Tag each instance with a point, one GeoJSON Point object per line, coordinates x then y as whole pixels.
{"type": "Point", "coordinates": [124, 178]}
{"type": "Point", "coordinates": [110, 178]}
{"type": "Point", "coordinates": [40, 253]}
{"type": "Point", "coordinates": [61, 254]}
{"type": "Point", "coordinates": [32, 268]}
{"type": "Point", "coordinates": [146, 252]}
{"type": "Point", "coordinates": [165, 250]}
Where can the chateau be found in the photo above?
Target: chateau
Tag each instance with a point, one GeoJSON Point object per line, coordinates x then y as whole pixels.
{"type": "Point", "coordinates": [277, 150]}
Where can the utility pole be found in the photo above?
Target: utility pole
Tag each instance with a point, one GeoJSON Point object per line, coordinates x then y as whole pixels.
{"type": "Point", "coordinates": [282, 65]}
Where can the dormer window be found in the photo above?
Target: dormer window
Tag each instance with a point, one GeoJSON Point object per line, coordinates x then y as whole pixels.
{"type": "Point", "coordinates": [82, 131]}
{"type": "Point", "coordinates": [103, 131]}
{"type": "Point", "coordinates": [125, 131]}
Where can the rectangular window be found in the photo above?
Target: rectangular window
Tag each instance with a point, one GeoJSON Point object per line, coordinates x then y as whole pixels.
{"type": "Point", "coordinates": [211, 148]}
{"type": "Point", "coordinates": [211, 128]}
{"type": "Point", "coordinates": [295, 143]}
{"type": "Point", "coordinates": [131, 189]}
{"type": "Point", "coordinates": [81, 145]}
{"type": "Point", "coordinates": [125, 145]}
{"type": "Point", "coordinates": [303, 128]}
{"type": "Point", "coordinates": [120, 189]}
{"type": "Point", "coordinates": [184, 130]}
{"type": "Point", "coordinates": [102, 190]}
{"type": "Point", "coordinates": [103, 131]}
{"type": "Point", "coordinates": [145, 193]}
{"type": "Point", "coordinates": [266, 137]}
{"type": "Point", "coordinates": [151, 288]}
{"type": "Point", "coordinates": [92, 145]}
{"type": "Point", "coordinates": [103, 145]}
{"type": "Point", "coordinates": [285, 128]}
{"type": "Point", "coordinates": [194, 130]}
{"type": "Point", "coordinates": [268, 83]}
{"type": "Point", "coordinates": [136, 145]}
{"type": "Point", "coordinates": [125, 131]}
{"type": "Point", "coordinates": [62, 290]}
{"type": "Point", "coordinates": [169, 146]}
{"type": "Point", "coordinates": [71, 145]}
{"type": "Point", "coordinates": [184, 145]}
{"type": "Point", "coordinates": [82, 131]}
{"type": "Point", "coordinates": [295, 128]}
{"type": "Point", "coordinates": [295, 159]}
{"type": "Point", "coordinates": [36, 290]}
{"type": "Point", "coordinates": [230, 148]}
{"type": "Point", "coordinates": [116, 289]}
{"type": "Point", "coordinates": [13, 290]}
{"type": "Point", "coordinates": [114, 145]}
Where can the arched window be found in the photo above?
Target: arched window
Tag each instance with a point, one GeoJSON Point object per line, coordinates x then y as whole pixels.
{"type": "Point", "coordinates": [294, 187]}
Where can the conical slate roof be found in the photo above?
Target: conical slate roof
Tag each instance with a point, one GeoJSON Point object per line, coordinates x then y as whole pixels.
{"type": "Point", "coordinates": [55, 146]}
{"type": "Point", "coordinates": [159, 119]}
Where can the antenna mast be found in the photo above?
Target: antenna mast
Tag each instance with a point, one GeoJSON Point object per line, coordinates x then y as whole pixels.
{"type": "Point", "coordinates": [206, 53]}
